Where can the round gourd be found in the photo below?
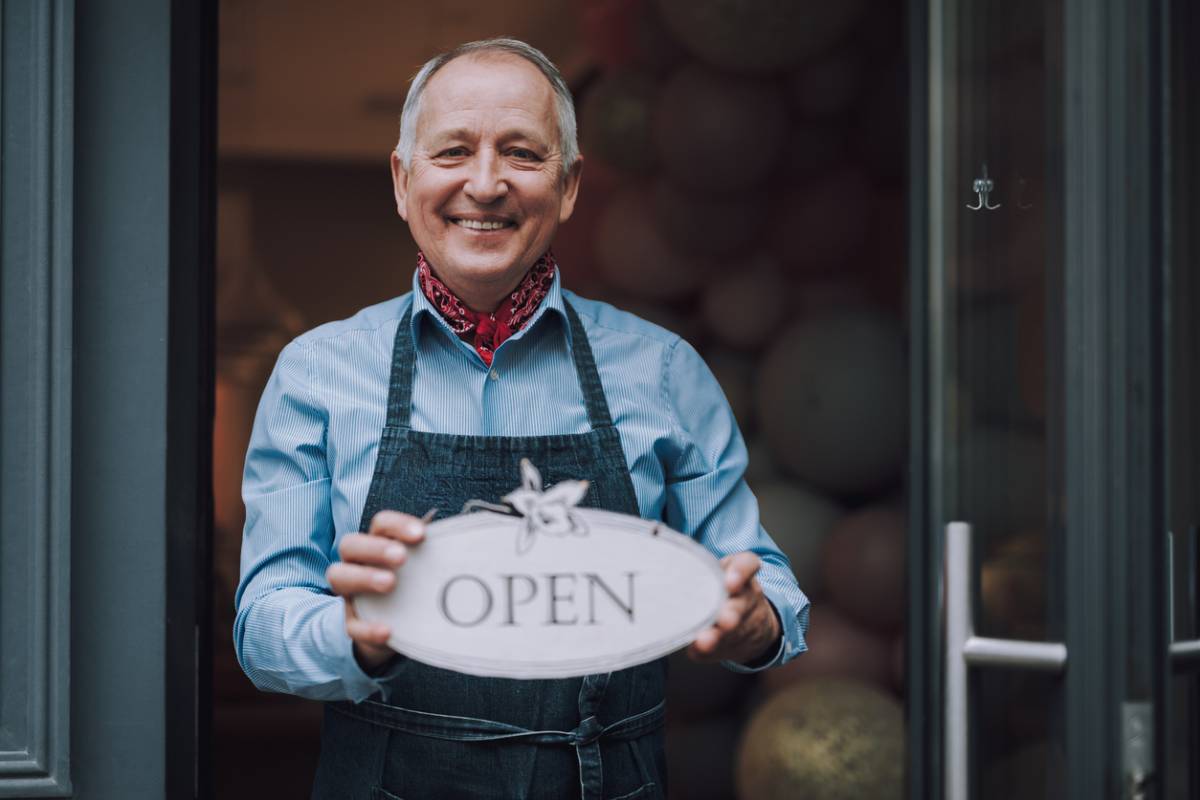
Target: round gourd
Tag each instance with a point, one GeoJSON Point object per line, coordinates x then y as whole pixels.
{"type": "Point", "coordinates": [1012, 587]}
{"type": "Point", "coordinates": [812, 147]}
{"type": "Point", "coordinates": [755, 36]}
{"type": "Point", "coordinates": [824, 740]}
{"type": "Point", "coordinates": [899, 663]}
{"type": "Point", "coordinates": [824, 224]}
{"type": "Point", "coordinates": [863, 563]}
{"type": "Point", "coordinates": [717, 132]}
{"type": "Point", "coordinates": [606, 28]}
{"type": "Point", "coordinates": [762, 469]}
{"type": "Point", "coordinates": [798, 519]}
{"type": "Point", "coordinates": [615, 118]}
{"type": "Point", "coordinates": [633, 256]}
{"type": "Point", "coordinates": [706, 224]}
{"type": "Point", "coordinates": [735, 372]}
{"type": "Point", "coordinates": [829, 87]}
{"type": "Point", "coordinates": [744, 305]}
{"type": "Point", "coordinates": [837, 648]}
{"type": "Point", "coordinates": [832, 400]}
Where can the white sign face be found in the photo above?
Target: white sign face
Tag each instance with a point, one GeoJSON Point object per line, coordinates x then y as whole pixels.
{"type": "Point", "coordinates": [562, 592]}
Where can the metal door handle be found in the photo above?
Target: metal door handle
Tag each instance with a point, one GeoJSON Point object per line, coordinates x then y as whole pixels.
{"type": "Point", "coordinates": [964, 649]}
{"type": "Point", "coordinates": [1185, 653]}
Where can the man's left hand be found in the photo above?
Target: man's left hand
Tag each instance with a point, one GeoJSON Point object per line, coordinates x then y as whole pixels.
{"type": "Point", "coordinates": [746, 627]}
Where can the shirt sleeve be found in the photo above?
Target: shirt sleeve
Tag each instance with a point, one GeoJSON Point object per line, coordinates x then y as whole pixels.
{"type": "Point", "coordinates": [290, 631]}
{"type": "Point", "coordinates": [708, 498]}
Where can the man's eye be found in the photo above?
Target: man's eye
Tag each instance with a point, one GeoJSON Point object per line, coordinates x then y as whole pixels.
{"type": "Point", "coordinates": [524, 154]}
{"type": "Point", "coordinates": [453, 152]}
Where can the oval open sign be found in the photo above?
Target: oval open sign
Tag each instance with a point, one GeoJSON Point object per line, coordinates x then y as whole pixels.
{"type": "Point", "coordinates": [488, 594]}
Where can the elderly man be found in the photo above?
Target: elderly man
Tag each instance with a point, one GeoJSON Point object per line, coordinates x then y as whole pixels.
{"type": "Point", "coordinates": [431, 399]}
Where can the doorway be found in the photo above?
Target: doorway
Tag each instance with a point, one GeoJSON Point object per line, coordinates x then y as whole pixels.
{"type": "Point", "coordinates": [798, 248]}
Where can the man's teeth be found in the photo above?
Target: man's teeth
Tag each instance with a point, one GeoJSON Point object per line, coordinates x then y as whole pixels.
{"type": "Point", "coordinates": [479, 225]}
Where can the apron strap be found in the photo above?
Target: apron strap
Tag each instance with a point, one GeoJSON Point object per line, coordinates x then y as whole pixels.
{"type": "Point", "coordinates": [400, 382]}
{"type": "Point", "coordinates": [587, 746]}
{"type": "Point", "coordinates": [471, 729]}
{"type": "Point", "coordinates": [585, 738]}
{"type": "Point", "coordinates": [585, 368]}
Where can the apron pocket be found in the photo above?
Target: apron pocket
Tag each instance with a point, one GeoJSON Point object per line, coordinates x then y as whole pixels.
{"type": "Point", "coordinates": [650, 790]}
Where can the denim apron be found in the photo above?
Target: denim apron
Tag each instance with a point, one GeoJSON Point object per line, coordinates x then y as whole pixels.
{"type": "Point", "coordinates": [444, 735]}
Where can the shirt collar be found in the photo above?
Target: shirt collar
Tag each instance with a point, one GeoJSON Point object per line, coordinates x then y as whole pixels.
{"type": "Point", "coordinates": [553, 303]}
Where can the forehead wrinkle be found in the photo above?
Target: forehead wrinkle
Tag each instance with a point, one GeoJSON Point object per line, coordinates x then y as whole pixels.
{"type": "Point", "coordinates": [459, 108]}
{"type": "Point", "coordinates": [459, 91]}
{"type": "Point", "coordinates": [445, 96]}
{"type": "Point", "coordinates": [505, 131]}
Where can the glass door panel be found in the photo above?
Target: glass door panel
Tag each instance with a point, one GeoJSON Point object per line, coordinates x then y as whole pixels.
{"type": "Point", "coordinates": [1056, 138]}
{"type": "Point", "coordinates": [997, 366]}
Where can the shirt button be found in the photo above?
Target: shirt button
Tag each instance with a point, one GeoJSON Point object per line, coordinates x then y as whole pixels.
{"type": "Point", "coordinates": [494, 375]}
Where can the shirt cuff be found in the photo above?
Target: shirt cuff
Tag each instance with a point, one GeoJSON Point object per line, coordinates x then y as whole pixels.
{"type": "Point", "coordinates": [358, 684]}
{"type": "Point", "coordinates": [791, 639]}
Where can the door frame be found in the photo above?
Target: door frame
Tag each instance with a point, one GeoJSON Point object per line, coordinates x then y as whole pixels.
{"type": "Point", "coordinates": [144, 121]}
{"type": "Point", "coordinates": [1114, 247]}
{"type": "Point", "coordinates": [923, 696]}
{"type": "Point", "coordinates": [190, 401]}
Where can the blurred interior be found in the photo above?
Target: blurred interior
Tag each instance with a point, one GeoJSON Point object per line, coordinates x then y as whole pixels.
{"type": "Point", "coordinates": [750, 198]}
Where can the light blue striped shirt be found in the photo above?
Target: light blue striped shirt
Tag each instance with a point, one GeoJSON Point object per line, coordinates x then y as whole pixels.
{"type": "Point", "coordinates": [312, 453]}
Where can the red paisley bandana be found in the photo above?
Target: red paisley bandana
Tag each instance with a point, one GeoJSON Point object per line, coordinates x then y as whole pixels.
{"type": "Point", "coordinates": [485, 332]}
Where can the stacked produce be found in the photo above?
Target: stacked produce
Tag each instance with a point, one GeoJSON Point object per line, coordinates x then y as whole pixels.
{"type": "Point", "coordinates": [745, 166]}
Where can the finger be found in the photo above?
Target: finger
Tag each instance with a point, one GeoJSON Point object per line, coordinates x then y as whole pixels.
{"type": "Point", "coordinates": [373, 550]}
{"type": "Point", "coordinates": [731, 614]}
{"type": "Point", "coordinates": [706, 641]}
{"type": "Point", "coordinates": [729, 619]}
{"type": "Point", "coordinates": [374, 633]}
{"type": "Point", "coordinates": [404, 527]}
{"type": "Point", "coordinates": [351, 579]}
{"type": "Point", "coordinates": [749, 591]}
{"type": "Point", "coordinates": [739, 568]}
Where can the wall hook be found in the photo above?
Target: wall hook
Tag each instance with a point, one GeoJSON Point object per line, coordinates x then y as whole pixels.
{"type": "Point", "coordinates": [983, 186]}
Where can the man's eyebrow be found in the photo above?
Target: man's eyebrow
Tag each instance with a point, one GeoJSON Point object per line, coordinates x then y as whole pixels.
{"type": "Point", "coordinates": [522, 133]}
{"type": "Point", "coordinates": [460, 134]}
{"type": "Point", "coordinates": [452, 133]}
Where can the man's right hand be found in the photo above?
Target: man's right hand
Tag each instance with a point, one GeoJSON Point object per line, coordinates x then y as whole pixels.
{"type": "Point", "coordinates": [368, 566]}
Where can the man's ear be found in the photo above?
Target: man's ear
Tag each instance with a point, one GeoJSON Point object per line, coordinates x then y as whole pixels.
{"type": "Point", "coordinates": [400, 185]}
{"type": "Point", "coordinates": [570, 190]}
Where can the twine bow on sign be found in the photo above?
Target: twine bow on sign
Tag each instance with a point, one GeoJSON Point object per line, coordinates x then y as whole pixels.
{"type": "Point", "coordinates": [548, 511]}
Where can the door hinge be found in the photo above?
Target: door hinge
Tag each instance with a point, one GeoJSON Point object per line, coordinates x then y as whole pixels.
{"type": "Point", "coordinates": [1137, 742]}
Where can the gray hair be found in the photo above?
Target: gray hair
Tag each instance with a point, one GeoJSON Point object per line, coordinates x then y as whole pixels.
{"type": "Point", "coordinates": [564, 104]}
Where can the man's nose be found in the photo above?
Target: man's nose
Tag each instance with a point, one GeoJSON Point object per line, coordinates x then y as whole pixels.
{"type": "Point", "coordinates": [485, 182]}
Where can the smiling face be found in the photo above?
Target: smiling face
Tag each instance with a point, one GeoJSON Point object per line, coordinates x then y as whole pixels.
{"type": "Point", "coordinates": [485, 191]}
